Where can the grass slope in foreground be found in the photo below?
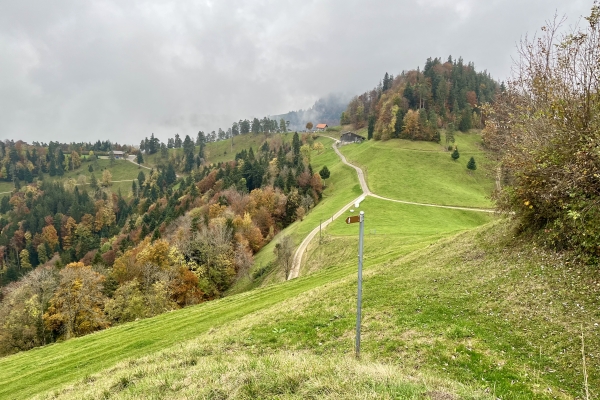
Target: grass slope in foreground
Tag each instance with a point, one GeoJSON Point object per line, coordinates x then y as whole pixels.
{"type": "Point", "coordinates": [424, 172]}
{"type": "Point", "coordinates": [43, 369]}
{"type": "Point", "coordinates": [471, 316]}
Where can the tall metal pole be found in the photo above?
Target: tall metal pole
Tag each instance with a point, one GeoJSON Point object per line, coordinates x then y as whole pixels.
{"type": "Point", "coordinates": [360, 264]}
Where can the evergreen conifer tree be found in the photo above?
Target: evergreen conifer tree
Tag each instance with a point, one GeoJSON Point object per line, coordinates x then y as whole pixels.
{"type": "Point", "coordinates": [141, 178]}
{"type": "Point", "coordinates": [466, 120]}
{"type": "Point", "coordinates": [93, 182]}
{"type": "Point", "coordinates": [371, 128]}
{"type": "Point", "coordinates": [324, 172]}
{"type": "Point", "coordinates": [455, 154]}
{"type": "Point", "coordinates": [290, 181]}
{"type": "Point", "coordinates": [471, 164]}
{"type": "Point", "coordinates": [97, 259]}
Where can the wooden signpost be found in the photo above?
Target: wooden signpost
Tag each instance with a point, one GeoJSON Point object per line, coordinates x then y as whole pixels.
{"type": "Point", "coordinates": [351, 220]}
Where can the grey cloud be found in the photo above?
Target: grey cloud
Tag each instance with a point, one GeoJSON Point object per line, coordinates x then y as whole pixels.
{"type": "Point", "coordinates": [73, 70]}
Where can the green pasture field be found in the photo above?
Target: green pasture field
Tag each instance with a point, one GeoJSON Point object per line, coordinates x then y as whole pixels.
{"type": "Point", "coordinates": [424, 172]}
{"type": "Point", "coordinates": [6, 188]}
{"type": "Point", "coordinates": [391, 230]}
{"type": "Point", "coordinates": [223, 150]}
{"type": "Point", "coordinates": [472, 315]}
{"type": "Point", "coordinates": [121, 170]}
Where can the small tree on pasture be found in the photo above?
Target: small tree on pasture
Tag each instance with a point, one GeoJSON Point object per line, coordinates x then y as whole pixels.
{"type": "Point", "coordinates": [471, 166]}
{"type": "Point", "coordinates": [106, 178]}
{"type": "Point", "coordinates": [284, 251]}
{"type": "Point", "coordinates": [455, 154]}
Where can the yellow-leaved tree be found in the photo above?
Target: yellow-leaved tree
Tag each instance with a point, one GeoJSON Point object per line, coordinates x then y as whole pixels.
{"type": "Point", "coordinates": [77, 305]}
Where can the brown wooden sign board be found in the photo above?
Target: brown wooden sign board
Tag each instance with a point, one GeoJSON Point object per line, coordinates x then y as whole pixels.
{"type": "Point", "coordinates": [353, 219]}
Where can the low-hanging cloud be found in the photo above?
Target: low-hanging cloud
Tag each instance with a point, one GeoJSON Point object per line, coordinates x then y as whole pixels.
{"type": "Point", "coordinates": [89, 70]}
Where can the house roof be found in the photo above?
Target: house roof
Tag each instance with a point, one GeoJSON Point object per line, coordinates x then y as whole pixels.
{"type": "Point", "coordinates": [352, 134]}
{"type": "Point", "coordinates": [118, 152]}
{"type": "Point", "coordinates": [321, 126]}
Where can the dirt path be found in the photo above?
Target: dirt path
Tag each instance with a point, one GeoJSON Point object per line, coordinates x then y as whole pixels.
{"type": "Point", "coordinates": [366, 192]}
{"type": "Point", "coordinates": [132, 159]}
{"type": "Point", "coordinates": [361, 175]}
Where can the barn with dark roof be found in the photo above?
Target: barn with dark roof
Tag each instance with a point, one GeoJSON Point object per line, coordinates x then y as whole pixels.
{"type": "Point", "coordinates": [351, 137]}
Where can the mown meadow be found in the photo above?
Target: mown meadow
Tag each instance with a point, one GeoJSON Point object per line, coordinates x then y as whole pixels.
{"type": "Point", "coordinates": [424, 172]}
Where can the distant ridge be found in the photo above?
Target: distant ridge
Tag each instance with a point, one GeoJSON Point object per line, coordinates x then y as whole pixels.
{"type": "Point", "coordinates": [326, 110]}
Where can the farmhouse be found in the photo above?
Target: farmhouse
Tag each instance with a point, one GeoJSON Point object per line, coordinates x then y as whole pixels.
{"type": "Point", "coordinates": [321, 127]}
{"type": "Point", "coordinates": [351, 137]}
{"type": "Point", "coordinates": [119, 155]}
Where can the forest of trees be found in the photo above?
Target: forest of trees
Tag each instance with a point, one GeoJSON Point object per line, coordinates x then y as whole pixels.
{"type": "Point", "coordinates": [74, 260]}
{"type": "Point", "coordinates": [415, 104]}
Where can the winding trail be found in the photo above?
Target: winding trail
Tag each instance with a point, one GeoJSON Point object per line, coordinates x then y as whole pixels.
{"type": "Point", "coordinates": [297, 261]}
{"type": "Point", "coordinates": [132, 158]}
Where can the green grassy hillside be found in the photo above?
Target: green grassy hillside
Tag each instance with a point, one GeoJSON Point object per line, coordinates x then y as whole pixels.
{"type": "Point", "coordinates": [424, 172]}
{"type": "Point", "coordinates": [392, 230]}
{"type": "Point", "coordinates": [123, 172]}
{"type": "Point", "coordinates": [463, 317]}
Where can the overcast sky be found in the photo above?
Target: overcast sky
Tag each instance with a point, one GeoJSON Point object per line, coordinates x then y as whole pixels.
{"type": "Point", "coordinates": [74, 70]}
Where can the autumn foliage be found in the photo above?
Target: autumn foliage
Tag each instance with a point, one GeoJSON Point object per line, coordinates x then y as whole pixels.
{"type": "Point", "coordinates": [545, 129]}
{"type": "Point", "coordinates": [107, 259]}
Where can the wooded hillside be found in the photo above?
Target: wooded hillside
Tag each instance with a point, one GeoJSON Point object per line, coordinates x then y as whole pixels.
{"type": "Point", "coordinates": [414, 104]}
{"type": "Point", "coordinates": [173, 242]}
